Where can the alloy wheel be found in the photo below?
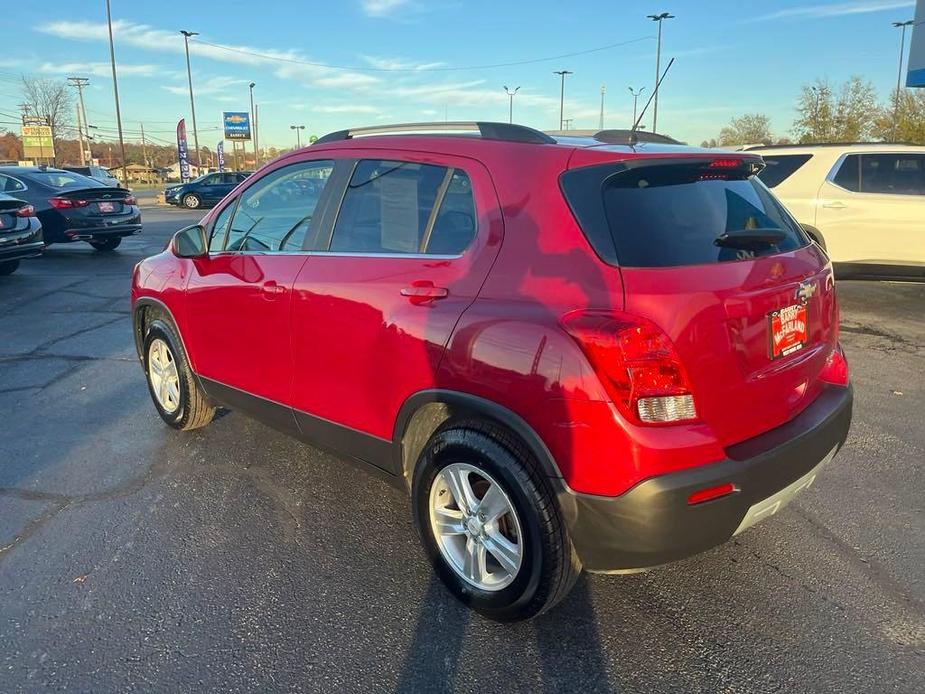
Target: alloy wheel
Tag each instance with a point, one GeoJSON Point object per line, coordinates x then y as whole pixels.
{"type": "Point", "coordinates": [476, 526]}
{"type": "Point", "coordinates": [163, 375]}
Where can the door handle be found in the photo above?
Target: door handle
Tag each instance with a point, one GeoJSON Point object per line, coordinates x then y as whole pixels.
{"type": "Point", "coordinates": [424, 291]}
{"type": "Point", "coordinates": [834, 205]}
{"type": "Point", "coordinates": [271, 290]}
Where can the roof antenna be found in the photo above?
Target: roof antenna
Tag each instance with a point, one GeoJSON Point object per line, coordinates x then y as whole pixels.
{"type": "Point", "coordinates": [634, 138]}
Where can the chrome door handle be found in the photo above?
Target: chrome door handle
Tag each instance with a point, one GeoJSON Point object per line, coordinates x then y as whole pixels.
{"type": "Point", "coordinates": [271, 290]}
{"type": "Point", "coordinates": [834, 205]}
{"type": "Point", "coordinates": [424, 292]}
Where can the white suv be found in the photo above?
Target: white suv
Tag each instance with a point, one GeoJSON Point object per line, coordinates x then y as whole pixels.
{"type": "Point", "coordinates": [867, 200]}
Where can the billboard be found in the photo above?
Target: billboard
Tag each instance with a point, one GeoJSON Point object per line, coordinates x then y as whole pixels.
{"type": "Point", "coordinates": [37, 142]}
{"type": "Point", "coordinates": [916, 75]}
{"type": "Point", "coordinates": [237, 125]}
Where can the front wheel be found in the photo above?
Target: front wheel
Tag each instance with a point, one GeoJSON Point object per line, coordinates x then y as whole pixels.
{"type": "Point", "coordinates": [191, 201]}
{"type": "Point", "coordinates": [490, 524]}
{"type": "Point", "coordinates": [106, 245]}
{"type": "Point", "coordinates": [8, 267]}
{"type": "Point", "coordinates": [176, 393]}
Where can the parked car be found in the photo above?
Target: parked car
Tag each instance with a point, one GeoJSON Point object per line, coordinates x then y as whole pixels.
{"type": "Point", "coordinates": [97, 173]}
{"type": "Point", "coordinates": [865, 201]}
{"type": "Point", "coordinates": [73, 207]}
{"type": "Point", "coordinates": [622, 359]}
{"type": "Point", "coordinates": [204, 191]}
{"type": "Point", "coordinates": [20, 233]}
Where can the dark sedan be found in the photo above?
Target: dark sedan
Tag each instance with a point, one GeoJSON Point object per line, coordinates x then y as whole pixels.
{"type": "Point", "coordinates": [20, 233]}
{"type": "Point", "coordinates": [204, 191]}
{"type": "Point", "coordinates": [73, 207]}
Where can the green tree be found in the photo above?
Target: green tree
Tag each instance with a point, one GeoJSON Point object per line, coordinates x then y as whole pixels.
{"type": "Point", "coordinates": [910, 118]}
{"type": "Point", "coordinates": [827, 115]}
{"type": "Point", "coordinates": [750, 129]}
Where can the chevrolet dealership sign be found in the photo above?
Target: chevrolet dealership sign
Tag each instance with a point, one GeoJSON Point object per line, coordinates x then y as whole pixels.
{"type": "Point", "coordinates": [916, 76]}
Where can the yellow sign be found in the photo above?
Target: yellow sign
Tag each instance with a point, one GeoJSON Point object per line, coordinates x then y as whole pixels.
{"type": "Point", "coordinates": [37, 141]}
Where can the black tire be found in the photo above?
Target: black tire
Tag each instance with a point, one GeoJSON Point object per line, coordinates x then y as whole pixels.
{"type": "Point", "coordinates": [106, 245]}
{"type": "Point", "coordinates": [8, 267]}
{"type": "Point", "coordinates": [549, 566]}
{"type": "Point", "coordinates": [191, 201]}
{"type": "Point", "coordinates": [194, 410]}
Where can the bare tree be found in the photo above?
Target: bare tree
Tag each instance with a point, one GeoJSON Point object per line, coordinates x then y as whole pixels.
{"type": "Point", "coordinates": [49, 101]}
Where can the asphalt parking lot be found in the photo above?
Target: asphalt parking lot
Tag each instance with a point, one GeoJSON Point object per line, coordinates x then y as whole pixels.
{"type": "Point", "coordinates": [233, 558]}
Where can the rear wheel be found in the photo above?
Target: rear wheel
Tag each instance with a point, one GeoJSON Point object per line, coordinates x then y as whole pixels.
{"type": "Point", "coordinates": [490, 524]}
{"type": "Point", "coordinates": [191, 201]}
{"type": "Point", "coordinates": [176, 393]}
{"type": "Point", "coordinates": [104, 245]}
{"type": "Point", "coordinates": [8, 267]}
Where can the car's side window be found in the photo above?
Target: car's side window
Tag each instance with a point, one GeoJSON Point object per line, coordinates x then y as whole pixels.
{"type": "Point", "coordinates": [10, 185]}
{"type": "Point", "coordinates": [276, 212]}
{"type": "Point", "coordinates": [393, 207]}
{"type": "Point", "coordinates": [848, 175]}
{"type": "Point", "coordinates": [220, 228]}
{"type": "Point", "coordinates": [893, 174]}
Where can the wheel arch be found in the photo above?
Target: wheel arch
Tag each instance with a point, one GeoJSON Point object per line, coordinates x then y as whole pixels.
{"type": "Point", "coordinates": [426, 411]}
{"type": "Point", "coordinates": [141, 317]}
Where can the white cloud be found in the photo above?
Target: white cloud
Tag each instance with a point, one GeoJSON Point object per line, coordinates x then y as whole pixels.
{"type": "Point", "coordinates": [382, 8]}
{"type": "Point", "coordinates": [835, 9]}
{"type": "Point", "coordinates": [208, 87]}
{"type": "Point", "coordinates": [399, 63]}
{"type": "Point", "coordinates": [99, 69]}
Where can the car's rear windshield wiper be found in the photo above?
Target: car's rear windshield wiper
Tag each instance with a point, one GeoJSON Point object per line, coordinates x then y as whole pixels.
{"type": "Point", "coordinates": [750, 238]}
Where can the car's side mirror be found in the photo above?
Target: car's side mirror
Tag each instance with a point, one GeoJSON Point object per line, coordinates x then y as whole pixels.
{"type": "Point", "coordinates": [191, 242]}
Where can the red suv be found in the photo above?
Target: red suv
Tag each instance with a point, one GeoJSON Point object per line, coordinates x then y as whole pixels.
{"type": "Point", "coordinates": [574, 352]}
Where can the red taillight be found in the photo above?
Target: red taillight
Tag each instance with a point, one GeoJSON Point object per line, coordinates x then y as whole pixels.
{"type": "Point", "coordinates": [711, 493]}
{"type": "Point", "coordinates": [637, 364]}
{"type": "Point", "coordinates": [835, 370]}
{"type": "Point", "coordinates": [130, 200]}
{"type": "Point", "coordinates": [66, 204]}
{"type": "Point", "coordinates": [27, 211]}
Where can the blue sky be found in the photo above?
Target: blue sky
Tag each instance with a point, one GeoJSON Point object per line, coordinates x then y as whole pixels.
{"type": "Point", "coordinates": [732, 58]}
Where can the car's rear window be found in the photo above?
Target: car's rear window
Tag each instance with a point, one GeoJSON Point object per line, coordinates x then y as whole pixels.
{"type": "Point", "coordinates": [64, 179]}
{"type": "Point", "coordinates": [669, 215]}
{"type": "Point", "coordinates": [779, 167]}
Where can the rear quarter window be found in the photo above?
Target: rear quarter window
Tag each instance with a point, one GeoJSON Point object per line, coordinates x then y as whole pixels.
{"type": "Point", "coordinates": [779, 167]}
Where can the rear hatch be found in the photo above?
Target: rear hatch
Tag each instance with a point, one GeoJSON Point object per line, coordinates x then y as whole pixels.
{"type": "Point", "coordinates": [714, 260]}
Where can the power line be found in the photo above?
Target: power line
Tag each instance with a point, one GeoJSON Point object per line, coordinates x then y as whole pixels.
{"type": "Point", "coordinates": [369, 68]}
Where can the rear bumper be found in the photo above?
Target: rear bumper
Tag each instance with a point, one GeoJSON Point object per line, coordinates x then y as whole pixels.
{"type": "Point", "coordinates": [653, 523]}
{"type": "Point", "coordinates": [87, 233]}
{"type": "Point", "coordinates": [28, 243]}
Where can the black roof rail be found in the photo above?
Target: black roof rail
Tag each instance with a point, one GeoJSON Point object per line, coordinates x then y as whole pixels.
{"type": "Point", "coordinates": [507, 132]}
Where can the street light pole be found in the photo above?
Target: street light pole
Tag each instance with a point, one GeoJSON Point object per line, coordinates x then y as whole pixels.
{"type": "Point", "coordinates": [659, 18]}
{"type": "Point", "coordinates": [899, 75]}
{"type": "Point", "coordinates": [192, 104]}
{"type": "Point", "coordinates": [601, 123]}
{"type": "Point", "coordinates": [254, 126]}
{"type": "Point", "coordinates": [562, 74]}
{"type": "Point", "coordinates": [298, 139]}
{"type": "Point", "coordinates": [510, 94]}
{"type": "Point", "coordinates": [635, 99]}
{"type": "Point", "coordinates": [115, 89]}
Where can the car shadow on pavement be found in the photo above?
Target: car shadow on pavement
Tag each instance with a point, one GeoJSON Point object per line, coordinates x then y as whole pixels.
{"type": "Point", "coordinates": [569, 658]}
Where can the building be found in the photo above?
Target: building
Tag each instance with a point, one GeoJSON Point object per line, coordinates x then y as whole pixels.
{"type": "Point", "coordinates": [138, 173]}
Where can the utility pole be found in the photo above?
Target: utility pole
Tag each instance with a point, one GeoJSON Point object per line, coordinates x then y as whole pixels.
{"type": "Point", "coordinates": [115, 89]}
{"type": "Point", "coordinates": [192, 104]}
{"type": "Point", "coordinates": [80, 83]}
{"type": "Point", "coordinates": [567, 123]}
{"type": "Point", "coordinates": [562, 74]}
{"type": "Point", "coordinates": [510, 94]}
{"type": "Point", "coordinates": [600, 125]}
{"type": "Point", "coordinates": [899, 75]}
{"type": "Point", "coordinates": [253, 127]}
{"type": "Point", "coordinates": [659, 18]}
{"type": "Point", "coordinates": [144, 148]}
{"type": "Point", "coordinates": [635, 99]}
{"type": "Point", "coordinates": [256, 140]}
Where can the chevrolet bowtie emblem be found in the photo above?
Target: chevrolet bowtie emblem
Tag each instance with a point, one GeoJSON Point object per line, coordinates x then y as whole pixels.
{"type": "Point", "coordinates": [805, 292]}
